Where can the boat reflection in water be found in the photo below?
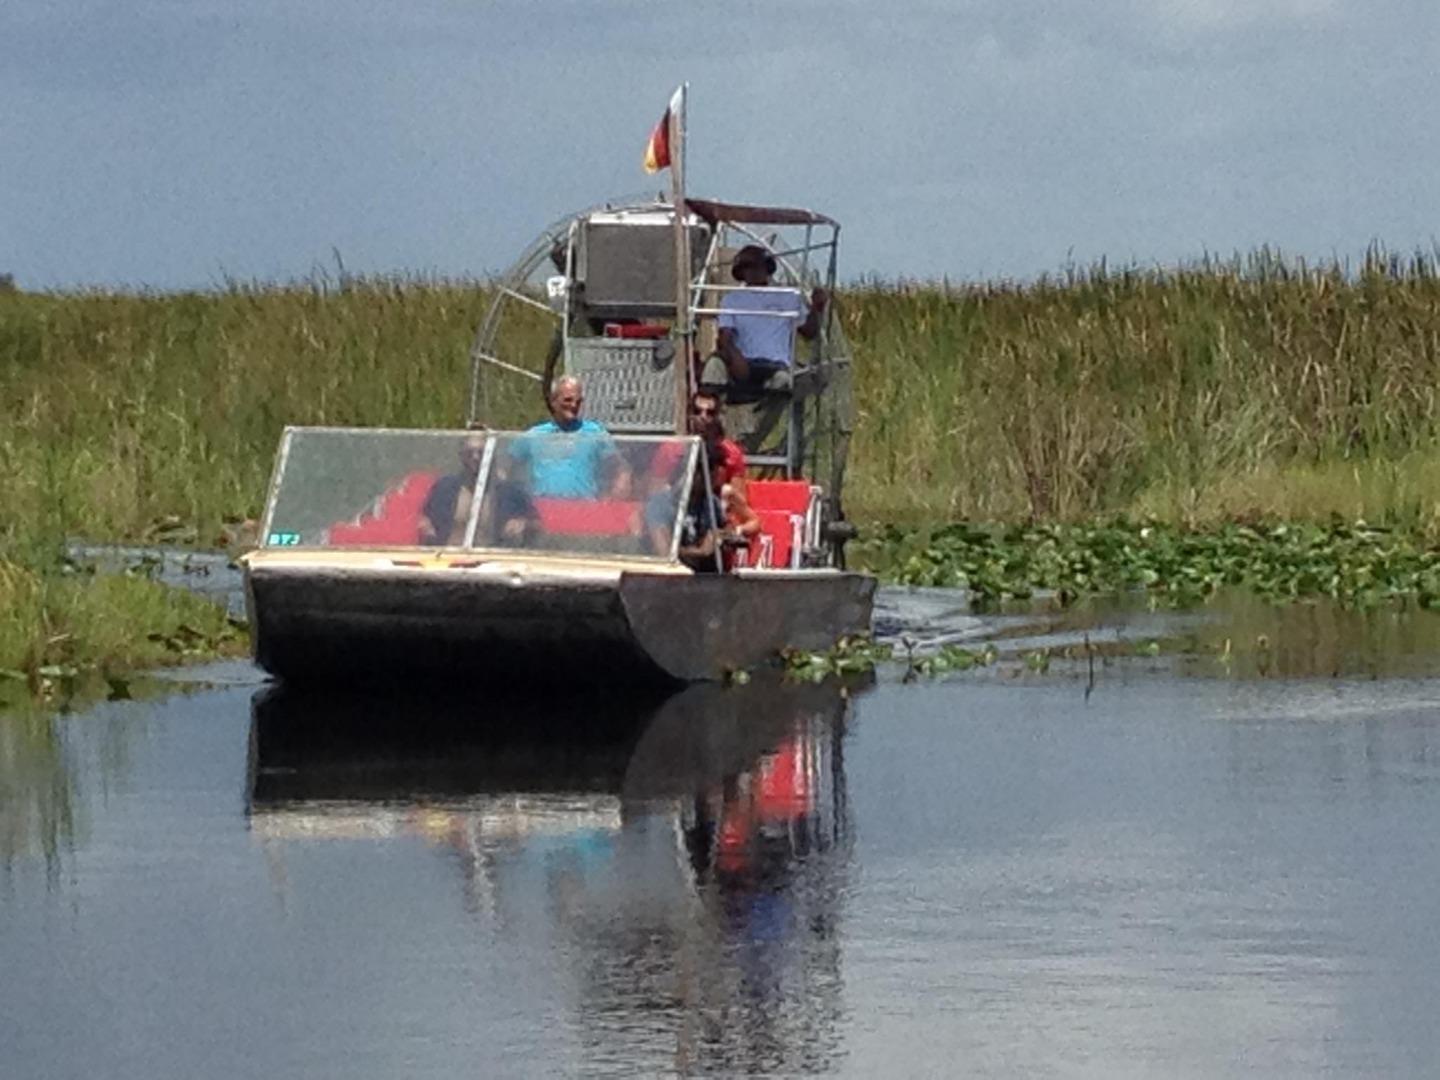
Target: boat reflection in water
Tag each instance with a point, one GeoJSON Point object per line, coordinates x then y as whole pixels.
{"type": "Point", "coordinates": [679, 866]}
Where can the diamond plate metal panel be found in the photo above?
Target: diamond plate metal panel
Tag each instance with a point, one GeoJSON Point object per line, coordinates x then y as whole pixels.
{"type": "Point", "coordinates": [629, 384]}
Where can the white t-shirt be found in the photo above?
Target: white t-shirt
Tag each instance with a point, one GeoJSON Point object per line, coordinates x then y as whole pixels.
{"type": "Point", "coordinates": [763, 337]}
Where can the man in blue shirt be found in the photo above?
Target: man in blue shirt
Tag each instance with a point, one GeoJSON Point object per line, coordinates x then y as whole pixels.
{"type": "Point", "coordinates": [567, 455]}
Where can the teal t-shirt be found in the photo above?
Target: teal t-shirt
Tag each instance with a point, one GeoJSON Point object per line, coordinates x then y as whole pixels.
{"type": "Point", "coordinates": [564, 462]}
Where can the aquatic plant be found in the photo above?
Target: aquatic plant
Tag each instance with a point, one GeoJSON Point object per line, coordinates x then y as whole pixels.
{"type": "Point", "coordinates": [1353, 563]}
{"type": "Point", "coordinates": [848, 656]}
{"type": "Point", "coordinates": [862, 654]}
{"type": "Point", "coordinates": [62, 627]}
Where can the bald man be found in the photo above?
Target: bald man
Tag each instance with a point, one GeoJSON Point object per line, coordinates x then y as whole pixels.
{"type": "Point", "coordinates": [566, 453]}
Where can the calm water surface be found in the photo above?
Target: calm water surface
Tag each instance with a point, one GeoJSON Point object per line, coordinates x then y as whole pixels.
{"type": "Point", "coordinates": [1139, 873]}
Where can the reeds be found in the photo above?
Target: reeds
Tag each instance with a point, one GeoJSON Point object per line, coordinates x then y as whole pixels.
{"type": "Point", "coordinates": [120, 412]}
{"type": "Point", "coordinates": [1244, 388]}
{"type": "Point", "coordinates": [1191, 394]}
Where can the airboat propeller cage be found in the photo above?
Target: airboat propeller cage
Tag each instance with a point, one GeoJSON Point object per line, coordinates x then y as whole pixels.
{"type": "Point", "coordinates": [606, 277]}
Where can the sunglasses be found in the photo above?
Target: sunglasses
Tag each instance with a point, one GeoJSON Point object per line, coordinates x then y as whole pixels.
{"type": "Point", "coordinates": [704, 410]}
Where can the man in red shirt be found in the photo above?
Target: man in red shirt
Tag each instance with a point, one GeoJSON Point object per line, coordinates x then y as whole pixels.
{"type": "Point", "coordinates": [727, 460]}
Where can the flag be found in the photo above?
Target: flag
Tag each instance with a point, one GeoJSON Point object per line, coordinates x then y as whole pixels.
{"type": "Point", "coordinates": [657, 150]}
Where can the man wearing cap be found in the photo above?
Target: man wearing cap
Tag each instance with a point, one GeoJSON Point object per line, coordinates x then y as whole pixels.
{"type": "Point", "coordinates": [757, 324]}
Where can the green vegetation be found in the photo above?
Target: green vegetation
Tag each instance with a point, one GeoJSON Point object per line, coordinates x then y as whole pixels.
{"type": "Point", "coordinates": [1354, 564]}
{"type": "Point", "coordinates": [1224, 390]}
{"type": "Point", "coordinates": [1253, 390]}
{"type": "Point", "coordinates": [154, 418]}
{"type": "Point", "coordinates": [66, 632]}
{"type": "Point", "coordinates": [122, 415]}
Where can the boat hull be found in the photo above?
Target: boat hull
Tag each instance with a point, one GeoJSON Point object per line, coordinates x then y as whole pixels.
{"type": "Point", "coordinates": [511, 624]}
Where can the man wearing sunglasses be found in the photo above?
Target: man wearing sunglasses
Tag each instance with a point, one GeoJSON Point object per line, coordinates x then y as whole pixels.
{"type": "Point", "coordinates": [707, 421]}
{"type": "Point", "coordinates": [724, 463]}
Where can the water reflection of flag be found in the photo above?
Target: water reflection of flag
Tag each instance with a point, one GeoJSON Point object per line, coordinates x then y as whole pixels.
{"type": "Point", "coordinates": [657, 150]}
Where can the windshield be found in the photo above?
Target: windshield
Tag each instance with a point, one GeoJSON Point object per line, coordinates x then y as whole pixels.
{"type": "Point", "coordinates": [583, 492]}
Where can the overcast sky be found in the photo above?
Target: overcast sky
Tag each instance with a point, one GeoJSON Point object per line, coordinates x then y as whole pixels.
{"type": "Point", "coordinates": [175, 143]}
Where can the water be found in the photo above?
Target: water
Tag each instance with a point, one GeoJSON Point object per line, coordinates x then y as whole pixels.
{"type": "Point", "coordinates": [1141, 866]}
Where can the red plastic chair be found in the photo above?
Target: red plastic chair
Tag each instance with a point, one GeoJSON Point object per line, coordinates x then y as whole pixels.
{"type": "Point", "coordinates": [782, 506]}
{"type": "Point", "coordinates": [783, 529]}
{"type": "Point", "coordinates": [790, 495]}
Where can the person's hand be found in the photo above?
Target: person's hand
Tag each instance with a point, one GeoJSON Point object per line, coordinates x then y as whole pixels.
{"type": "Point", "coordinates": [818, 299]}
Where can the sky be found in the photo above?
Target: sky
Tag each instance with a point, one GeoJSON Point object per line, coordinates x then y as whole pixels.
{"type": "Point", "coordinates": [176, 144]}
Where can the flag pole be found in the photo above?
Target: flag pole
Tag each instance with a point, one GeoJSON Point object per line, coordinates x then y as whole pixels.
{"type": "Point", "coordinates": [683, 324]}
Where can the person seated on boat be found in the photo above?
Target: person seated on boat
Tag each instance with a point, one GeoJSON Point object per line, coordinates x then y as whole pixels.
{"type": "Point", "coordinates": [446, 512]}
{"type": "Point", "coordinates": [707, 419]}
{"type": "Point", "coordinates": [701, 526]}
{"type": "Point", "coordinates": [569, 457]}
{"type": "Point", "coordinates": [742, 523]}
{"type": "Point", "coordinates": [447, 508]}
{"type": "Point", "coordinates": [757, 326]}
{"type": "Point", "coordinates": [725, 465]}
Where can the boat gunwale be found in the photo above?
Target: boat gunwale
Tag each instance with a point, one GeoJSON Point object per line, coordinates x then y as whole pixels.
{"type": "Point", "coordinates": [476, 560]}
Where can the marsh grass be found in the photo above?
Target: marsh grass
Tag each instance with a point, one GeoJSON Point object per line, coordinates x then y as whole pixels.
{"type": "Point", "coordinates": [121, 412]}
{"type": "Point", "coordinates": [1194, 395]}
{"type": "Point", "coordinates": [57, 624]}
{"type": "Point", "coordinates": [1216, 390]}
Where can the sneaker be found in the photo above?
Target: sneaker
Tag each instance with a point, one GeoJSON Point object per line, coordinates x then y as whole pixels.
{"type": "Point", "coordinates": [778, 381]}
{"type": "Point", "coordinates": [713, 373]}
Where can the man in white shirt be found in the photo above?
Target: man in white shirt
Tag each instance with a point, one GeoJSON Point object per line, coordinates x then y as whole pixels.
{"type": "Point", "coordinates": [757, 327]}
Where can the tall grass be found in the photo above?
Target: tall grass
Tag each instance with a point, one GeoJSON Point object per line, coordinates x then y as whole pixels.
{"type": "Point", "coordinates": [121, 412]}
{"type": "Point", "coordinates": [1220, 389]}
{"type": "Point", "coordinates": [1224, 388]}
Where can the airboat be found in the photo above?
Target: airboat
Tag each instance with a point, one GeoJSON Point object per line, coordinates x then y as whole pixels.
{"type": "Point", "coordinates": [392, 554]}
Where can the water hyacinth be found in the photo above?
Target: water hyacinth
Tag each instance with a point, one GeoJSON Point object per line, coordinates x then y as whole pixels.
{"type": "Point", "coordinates": [1355, 564]}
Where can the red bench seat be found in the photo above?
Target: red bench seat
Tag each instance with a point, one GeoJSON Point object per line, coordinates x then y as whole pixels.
{"type": "Point", "coordinates": [589, 517]}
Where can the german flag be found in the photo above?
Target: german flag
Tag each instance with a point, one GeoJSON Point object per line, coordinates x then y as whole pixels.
{"type": "Point", "coordinates": [657, 150]}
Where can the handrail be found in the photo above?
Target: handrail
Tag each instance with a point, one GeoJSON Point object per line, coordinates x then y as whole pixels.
{"type": "Point", "coordinates": [744, 311]}
{"type": "Point", "coordinates": [517, 295]}
{"type": "Point", "coordinates": [508, 367]}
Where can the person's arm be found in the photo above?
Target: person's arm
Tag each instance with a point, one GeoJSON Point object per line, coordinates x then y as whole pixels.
{"type": "Point", "coordinates": [614, 464]}
{"type": "Point", "coordinates": [811, 326]}
{"type": "Point", "coordinates": [620, 478]}
{"type": "Point", "coordinates": [725, 331]}
{"type": "Point", "coordinates": [737, 474]}
{"type": "Point", "coordinates": [728, 350]}
{"type": "Point", "coordinates": [437, 513]}
{"type": "Point", "coordinates": [740, 518]}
